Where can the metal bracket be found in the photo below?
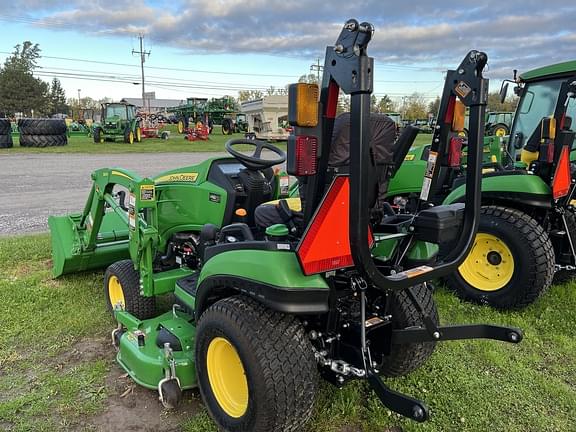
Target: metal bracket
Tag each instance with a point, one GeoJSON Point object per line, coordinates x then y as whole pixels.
{"type": "Point", "coordinates": [458, 332]}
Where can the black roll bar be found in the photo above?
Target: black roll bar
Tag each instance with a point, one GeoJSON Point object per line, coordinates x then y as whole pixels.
{"type": "Point", "coordinates": [348, 67]}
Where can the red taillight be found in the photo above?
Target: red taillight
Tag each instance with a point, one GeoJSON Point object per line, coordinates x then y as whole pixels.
{"type": "Point", "coordinates": [302, 155]}
{"type": "Point", "coordinates": [454, 152]}
{"type": "Point", "coordinates": [326, 243]}
{"type": "Point", "coordinates": [450, 110]}
{"type": "Point", "coordinates": [562, 177]}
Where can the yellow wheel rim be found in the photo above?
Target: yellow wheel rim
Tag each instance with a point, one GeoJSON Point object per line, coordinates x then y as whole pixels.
{"type": "Point", "coordinates": [227, 377]}
{"type": "Point", "coordinates": [500, 132]}
{"type": "Point", "coordinates": [489, 265]}
{"type": "Point", "coordinates": [138, 134]}
{"type": "Point", "coordinates": [131, 137]}
{"type": "Point", "coordinates": [180, 126]}
{"type": "Point", "coordinates": [115, 292]}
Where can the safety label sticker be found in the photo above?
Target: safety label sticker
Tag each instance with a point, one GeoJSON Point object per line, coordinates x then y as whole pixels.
{"type": "Point", "coordinates": [147, 193]}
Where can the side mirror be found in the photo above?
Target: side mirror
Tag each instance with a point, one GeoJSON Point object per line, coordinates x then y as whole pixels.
{"type": "Point", "coordinates": [503, 92]}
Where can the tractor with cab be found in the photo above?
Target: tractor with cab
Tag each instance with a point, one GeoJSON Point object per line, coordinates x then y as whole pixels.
{"type": "Point", "coordinates": [260, 315]}
{"type": "Point", "coordinates": [527, 233]}
{"type": "Point", "coordinates": [118, 121]}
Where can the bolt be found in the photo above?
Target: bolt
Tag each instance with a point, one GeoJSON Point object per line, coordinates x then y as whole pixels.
{"type": "Point", "coordinates": [461, 71]}
{"type": "Point", "coordinates": [514, 337]}
{"type": "Point", "coordinates": [340, 379]}
{"type": "Point", "coordinates": [417, 413]}
{"type": "Point", "coordinates": [339, 48]}
{"type": "Point", "coordinates": [436, 335]}
{"type": "Point", "coordinates": [313, 335]}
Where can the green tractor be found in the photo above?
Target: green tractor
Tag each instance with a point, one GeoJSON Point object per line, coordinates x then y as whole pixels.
{"type": "Point", "coordinates": [118, 120]}
{"type": "Point", "coordinates": [260, 314]}
{"type": "Point", "coordinates": [499, 123]}
{"type": "Point", "coordinates": [527, 232]}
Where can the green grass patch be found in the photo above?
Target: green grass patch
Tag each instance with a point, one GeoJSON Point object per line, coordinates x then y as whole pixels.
{"type": "Point", "coordinates": [48, 383]}
{"type": "Point", "coordinates": [175, 144]}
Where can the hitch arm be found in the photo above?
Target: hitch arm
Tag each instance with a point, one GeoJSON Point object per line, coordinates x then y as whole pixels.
{"type": "Point", "coordinates": [457, 332]}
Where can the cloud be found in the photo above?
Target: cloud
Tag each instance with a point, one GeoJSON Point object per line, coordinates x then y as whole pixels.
{"type": "Point", "coordinates": [417, 32]}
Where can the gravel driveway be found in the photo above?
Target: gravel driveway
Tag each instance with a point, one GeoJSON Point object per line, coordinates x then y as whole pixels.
{"type": "Point", "coordinates": [35, 186]}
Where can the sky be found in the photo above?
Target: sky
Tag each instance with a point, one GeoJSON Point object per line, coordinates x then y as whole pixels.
{"type": "Point", "coordinates": [211, 48]}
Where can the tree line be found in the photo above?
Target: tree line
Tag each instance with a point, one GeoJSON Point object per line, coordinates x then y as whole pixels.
{"type": "Point", "coordinates": [22, 92]}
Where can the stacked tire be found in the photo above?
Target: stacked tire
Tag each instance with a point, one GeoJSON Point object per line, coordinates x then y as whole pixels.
{"type": "Point", "coordinates": [5, 133]}
{"type": "Point", "coordinates": [42, 132]}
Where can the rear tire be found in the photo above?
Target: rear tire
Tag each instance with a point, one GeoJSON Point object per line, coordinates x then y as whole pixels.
{"type": "Point", "coordinates": [499, 130]}
{"type": "Point", "coordinates": [226, 127]}
{"type": "Point", "coordinates": [98, 136]}
{"type": "Point", "coordinates": [511, 266]}
{"type": "Point", "coordinates": [42, 126]}
{"type": "Point", "coordinates": [43, 140]}
{"type": "Point", "coordinates": [271, 363]}
{"type": "Point", "coordinates": [5, 126]}
{"type": "Point", "coordinates": [6, 141]}
{"type": "Point", "coordinates": [122, 285]}
{"type": "Point", "coordinates": [406, 358]}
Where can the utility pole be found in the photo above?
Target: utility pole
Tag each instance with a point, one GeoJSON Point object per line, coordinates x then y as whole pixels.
{"type": "Point", "coordinates": [143, 55]}
{"type": "Point", "coordinates": [79, 103]}
{"type": "Point", "coordinates": [318, 68]}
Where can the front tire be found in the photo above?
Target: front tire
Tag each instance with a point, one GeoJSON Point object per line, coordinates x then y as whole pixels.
{"type": "Point", "coordinates": [122, 289]}
{"type": "Point", "coordinates": [510, 264]}
{"type": "Point", "coordinates": [256, 368]}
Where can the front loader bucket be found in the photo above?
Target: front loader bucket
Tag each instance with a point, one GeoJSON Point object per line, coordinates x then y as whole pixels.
{"type": "Point", "coordinates": [69, 255]}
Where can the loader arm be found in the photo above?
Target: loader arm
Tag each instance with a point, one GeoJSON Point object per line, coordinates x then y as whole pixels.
{"type": "Point", "coordinates": [107, 230]}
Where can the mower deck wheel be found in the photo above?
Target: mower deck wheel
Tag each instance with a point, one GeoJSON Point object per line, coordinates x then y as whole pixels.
{"type": "Point", "coordinates": [510, 264]}
{"type": "Point", "coordinates": [256, 367]}
{"type": "Point", "coordinates": [122, 289]}
{"type": "Point", "coordinates": [170, 393]}
{"type": "Point", "coordinates": [406, 358]}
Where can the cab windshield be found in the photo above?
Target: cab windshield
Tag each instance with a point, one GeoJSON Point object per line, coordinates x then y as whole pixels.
{"type": "Point", "coordinates": [116, 111]}
{"type": "Point", "coordinates": [539, 100]}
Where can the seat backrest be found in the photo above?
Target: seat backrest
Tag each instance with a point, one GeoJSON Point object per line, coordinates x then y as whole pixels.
{"type": "Point", "coordinates": [383, 131]}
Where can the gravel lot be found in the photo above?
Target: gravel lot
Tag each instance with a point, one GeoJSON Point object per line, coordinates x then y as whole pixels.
{"type": "Point", "coordinates": [35, 186]}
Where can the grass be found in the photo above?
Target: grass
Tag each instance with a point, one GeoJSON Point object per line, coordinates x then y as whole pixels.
{"type": "Point", "coordinates": [175, 144]}
{"type": "Point", "coordinates": [469, 386]}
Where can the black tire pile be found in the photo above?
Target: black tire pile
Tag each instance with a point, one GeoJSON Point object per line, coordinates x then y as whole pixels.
{"type": "Point", "coordinates": [42, 132]}
{"type": "Point", "coordinates": [5, 133]}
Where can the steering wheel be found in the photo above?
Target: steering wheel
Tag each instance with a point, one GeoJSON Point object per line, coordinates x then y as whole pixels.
{"type": "Point", "coordinates": [255, 162]}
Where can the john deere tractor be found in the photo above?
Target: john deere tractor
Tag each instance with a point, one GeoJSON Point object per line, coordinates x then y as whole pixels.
{"type": "Point", "coordinates": [527, 231]}
{"type": "Point", "coordinates": [259, 315]}
{"type": "Point", "coordinates": [117, 122]}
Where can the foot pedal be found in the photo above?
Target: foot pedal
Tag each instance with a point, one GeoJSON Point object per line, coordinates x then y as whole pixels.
{"type": "Point", "coordinates": [398, 402]}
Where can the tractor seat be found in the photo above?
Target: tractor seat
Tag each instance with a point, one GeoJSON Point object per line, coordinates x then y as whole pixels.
{"type": "Point", "coordinates": [387, 152]}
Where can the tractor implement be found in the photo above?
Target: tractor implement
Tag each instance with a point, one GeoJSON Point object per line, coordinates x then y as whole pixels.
{"type": "Point", "coordinates": [326, 287]}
